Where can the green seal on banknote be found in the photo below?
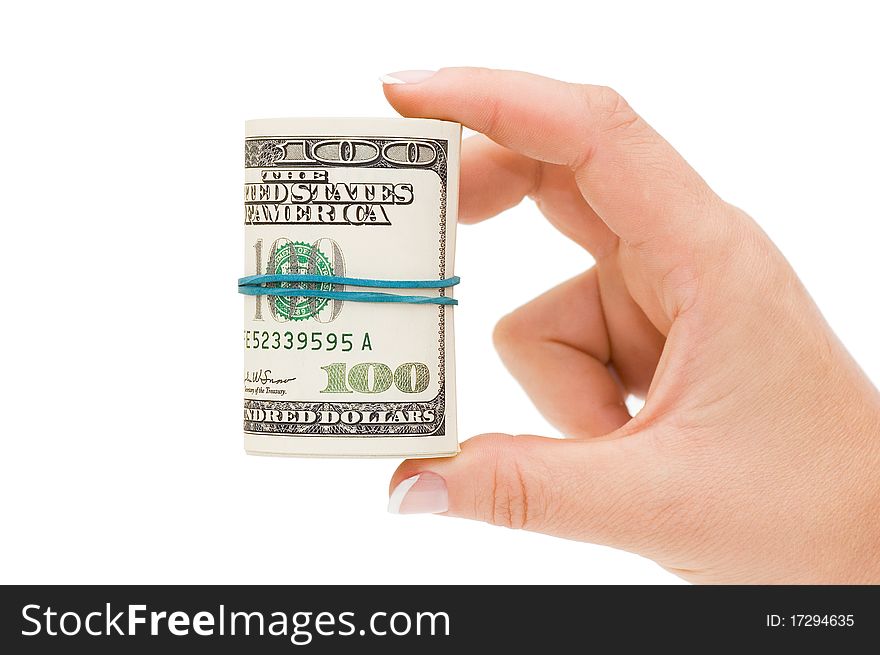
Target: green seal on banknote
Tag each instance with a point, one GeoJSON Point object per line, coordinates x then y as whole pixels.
{"type": "Point", "coordinates": [299, 257]}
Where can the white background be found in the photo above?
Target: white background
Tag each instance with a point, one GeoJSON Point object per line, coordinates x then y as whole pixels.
{"type": "Point", "coordinates": [121, 157]}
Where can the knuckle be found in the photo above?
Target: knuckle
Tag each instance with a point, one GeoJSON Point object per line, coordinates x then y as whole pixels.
{"type": "Point", "coordinates": [735, 242]}
{"type": "Point", "coordinates": [491, 113]}
{"type": "Point", "coordinates": [611, 110]}
{"type": "Point", "coordinates": [492, 105]}
{"type": "Point", "coordinates": [606, 112]}
{"type": "Point", "coordinates": [511, 330]}
{"type": "Point", "coordinates": [513, 499]}
{"type": "Point", "coordinates": [510, 504]}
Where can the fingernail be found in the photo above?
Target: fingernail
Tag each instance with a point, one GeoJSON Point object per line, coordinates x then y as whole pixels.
{"type": "Point", "coordinates": [406, 77]}
{"type": "Point", "coordinates": [424, 493]}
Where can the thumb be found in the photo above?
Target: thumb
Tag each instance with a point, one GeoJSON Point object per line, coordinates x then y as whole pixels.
{"type": "Point", "coordinates": [599, 491]}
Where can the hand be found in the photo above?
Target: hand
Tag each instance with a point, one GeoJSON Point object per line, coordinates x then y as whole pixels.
{"type": "Point", "coordinates": [756, 457]}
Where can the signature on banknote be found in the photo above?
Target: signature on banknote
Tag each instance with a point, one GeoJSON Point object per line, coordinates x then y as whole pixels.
{"type": "Point", "coordinates": [264, 376]}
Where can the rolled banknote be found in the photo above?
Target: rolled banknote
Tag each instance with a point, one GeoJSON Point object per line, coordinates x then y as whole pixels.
{"type": "Point", "coordinates": [349, 251]}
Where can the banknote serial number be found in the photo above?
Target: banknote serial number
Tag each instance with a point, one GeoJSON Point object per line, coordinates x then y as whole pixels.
{"type": "Point", "coordinates": [272, 340]}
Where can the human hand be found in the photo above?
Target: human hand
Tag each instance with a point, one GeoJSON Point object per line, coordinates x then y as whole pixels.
{"type": "Point", "coordinates": [756, 457]}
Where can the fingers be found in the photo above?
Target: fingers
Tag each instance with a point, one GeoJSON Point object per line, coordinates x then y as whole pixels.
{"type": "Point", "coordinates": [601, 491]}
{"type": "Point", "coordinates": [494, 178]}
{"type": "Point", "coordinates": [538, 117]}
{"type": "Point", "coordinates": [557, 347]}
{"type": "Point", "coordinates": [634, 180]}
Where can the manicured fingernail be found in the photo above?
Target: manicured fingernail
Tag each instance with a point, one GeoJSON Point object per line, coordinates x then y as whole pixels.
{"type": "Point", "coordinates": [424, 493]}
{"type": "Point", "coordinates": [406, 77]}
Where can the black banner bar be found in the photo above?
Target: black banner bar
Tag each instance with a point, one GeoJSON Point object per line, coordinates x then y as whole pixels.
{"type": "Point", "coordinates": [332, 619]}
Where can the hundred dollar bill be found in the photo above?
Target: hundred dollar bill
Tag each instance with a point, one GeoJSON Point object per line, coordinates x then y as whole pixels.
{"type": "Point", "coordinates": [372, 199]}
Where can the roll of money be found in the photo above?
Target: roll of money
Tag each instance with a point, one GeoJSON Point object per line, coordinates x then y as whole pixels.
{"type": "Point", "coordinates": [363, 209]}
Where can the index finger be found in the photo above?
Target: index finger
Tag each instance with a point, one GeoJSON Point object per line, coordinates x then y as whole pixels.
{"type": "Point", "coordinates": [634, 180]}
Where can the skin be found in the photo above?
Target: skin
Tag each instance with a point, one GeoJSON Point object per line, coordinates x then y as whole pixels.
{"type": "Point", "coordinates": [756, 457]}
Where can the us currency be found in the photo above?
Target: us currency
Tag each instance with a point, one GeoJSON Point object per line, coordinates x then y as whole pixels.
{"type": "Point", "coordinates": [355, 198]}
